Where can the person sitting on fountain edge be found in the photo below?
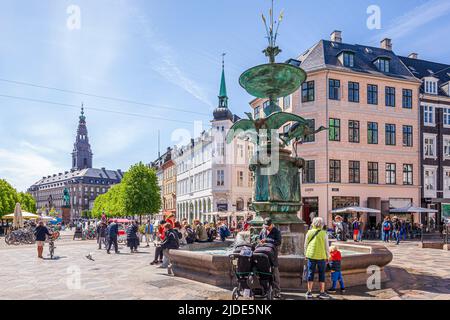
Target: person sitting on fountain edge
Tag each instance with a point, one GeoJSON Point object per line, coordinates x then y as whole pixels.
{"type": "Point", "coordinates": [270, 234]}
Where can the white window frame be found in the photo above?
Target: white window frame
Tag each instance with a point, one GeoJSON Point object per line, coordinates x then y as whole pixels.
{"type": "Point", "coordinates": [426, 110]}
{"type": "Point", "coordinates": [430, 193]}
{"type": "Point", "coordinates": [446, 182]}
{"type": "Point", "coordinates": [429, 136]}
{"type": "Point", "coordinates": [444, 139]}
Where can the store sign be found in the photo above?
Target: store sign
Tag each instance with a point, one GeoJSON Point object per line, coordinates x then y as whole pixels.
{"type": "Point", "coordinates": [221, 207]}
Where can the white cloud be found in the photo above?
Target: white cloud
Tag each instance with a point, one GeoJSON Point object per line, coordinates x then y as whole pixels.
{"type": "Point", "coordinates": [24, 166]}
{"type": "Point", "coordinates": [417, 17]}
{"type": "Point", "coordinates": [165, 63]}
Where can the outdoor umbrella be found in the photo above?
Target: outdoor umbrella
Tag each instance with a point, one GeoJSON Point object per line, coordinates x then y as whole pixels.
{"type": "Point", "coordinates": [25, 215]}
{"type": "Point", "coordinates": [356, 209]}
{"type": "Point", "coordinates": [47, 218]}
{"type": "Point", "coordinates": [412, 209]}
{"type": "Point", "coordinates": [18, 219]}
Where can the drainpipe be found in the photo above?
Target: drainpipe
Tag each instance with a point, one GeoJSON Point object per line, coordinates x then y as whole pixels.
{"type": "Point", "coordinates": [327, 164]}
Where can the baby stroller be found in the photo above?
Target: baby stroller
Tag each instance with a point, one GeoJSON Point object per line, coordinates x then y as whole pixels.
{"type": "Point", "coordinates": [250, 264]}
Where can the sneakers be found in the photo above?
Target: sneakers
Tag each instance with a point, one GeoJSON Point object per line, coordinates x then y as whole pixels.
{"type": "Point", "coordinates": [323, 296]}
{"type": "Point", "coordinates": [342, 291]}
{"type": "Point", "coordinates": [309, 295]}
{"type": "Point", "coordinates": [154, 262]}
{"type": "Point", "coordinates": [331, 290]}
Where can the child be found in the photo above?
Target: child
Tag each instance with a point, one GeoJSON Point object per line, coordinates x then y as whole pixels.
{"type": "Point", "coordinates": [336, 274]}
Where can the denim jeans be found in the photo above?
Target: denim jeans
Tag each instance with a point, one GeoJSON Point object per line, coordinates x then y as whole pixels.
{"type": "Point", "coordinates": [320, 265]}
{"type": "Point", "coordinates": [386, 236]}
{"type": "Point", "coordinates": [335, 277]}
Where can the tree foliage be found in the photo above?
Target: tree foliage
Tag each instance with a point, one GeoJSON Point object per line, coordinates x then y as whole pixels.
{"type": "Point", "coordinates": [137, 194]}
{"type": "Point", "coordinates": [9, 197]}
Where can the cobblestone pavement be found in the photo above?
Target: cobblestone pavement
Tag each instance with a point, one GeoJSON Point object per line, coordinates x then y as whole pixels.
{"type": "Point", "coordinates": [415, 274]}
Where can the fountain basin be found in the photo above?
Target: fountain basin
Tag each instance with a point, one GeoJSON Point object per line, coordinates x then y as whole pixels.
{"type": "Point", "coordinates": [209, 263]}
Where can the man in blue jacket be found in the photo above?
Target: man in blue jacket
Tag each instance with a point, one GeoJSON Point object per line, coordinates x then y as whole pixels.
{"type": "Point", "coordinates": [112, 233]}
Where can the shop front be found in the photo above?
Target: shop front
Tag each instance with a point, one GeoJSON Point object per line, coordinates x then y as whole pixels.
{"type": "Point", "coordinates": [310, 209]}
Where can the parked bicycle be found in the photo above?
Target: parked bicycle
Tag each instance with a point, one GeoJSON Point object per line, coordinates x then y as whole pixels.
{"type": "Point", "coordinates": [21, 236]}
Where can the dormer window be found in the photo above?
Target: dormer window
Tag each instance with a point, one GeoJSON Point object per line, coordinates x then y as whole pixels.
{"type": "Point", "coordinates": [349, 59]}
{"type": "Point", "coordinates": [431, 85]}
{"type": "Point", "coordinates": [383, 64]}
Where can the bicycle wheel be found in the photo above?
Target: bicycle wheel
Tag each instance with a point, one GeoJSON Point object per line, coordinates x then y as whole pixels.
{"type": "Point", "coordinates": [8, 239]}
{"type": "Point", "coordinates": [235, 294]}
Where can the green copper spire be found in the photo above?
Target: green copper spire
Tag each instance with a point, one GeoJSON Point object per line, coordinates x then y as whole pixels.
{"type": "Point", "coordinates": [223, 97]}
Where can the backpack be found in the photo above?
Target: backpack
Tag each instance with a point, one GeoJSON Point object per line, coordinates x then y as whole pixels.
{"type": "Point", "coordinates": [386, 226]}
{"type": "Point", "coordinates": [190, 238]}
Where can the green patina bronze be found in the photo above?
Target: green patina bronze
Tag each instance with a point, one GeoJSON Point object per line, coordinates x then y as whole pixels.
{"type": "Point", "coordinates": [277, 189]}
{"type": "Point", "coordinates": [66, 198]}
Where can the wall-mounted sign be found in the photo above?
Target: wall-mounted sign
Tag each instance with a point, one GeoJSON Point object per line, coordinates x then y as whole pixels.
{"type": "Point", "coordinates": [335, 190]}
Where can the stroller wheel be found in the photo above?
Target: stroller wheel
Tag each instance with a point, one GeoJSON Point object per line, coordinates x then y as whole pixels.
{"type": "Point", "coordinates": [235, 294]}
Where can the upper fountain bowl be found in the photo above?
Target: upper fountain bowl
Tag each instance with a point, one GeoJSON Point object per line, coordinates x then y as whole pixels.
{"type": "Point", "coordinates": [273, 80]}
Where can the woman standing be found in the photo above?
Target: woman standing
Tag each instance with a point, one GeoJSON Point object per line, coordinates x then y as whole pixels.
{"type": "Point", "coordinates": [132, 236]}
{"type": "Point", "coordinates": [317, 253]}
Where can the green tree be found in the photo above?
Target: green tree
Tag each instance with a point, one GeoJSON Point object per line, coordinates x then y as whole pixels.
{"type": "Point", "coordinates": [141, 190]}
{"type": "Point", "coordinates": [27, 202]}
{"type": "Point", "coordinates": [111, 203]}
{"type": "Point", "coordinates": [8, 198]}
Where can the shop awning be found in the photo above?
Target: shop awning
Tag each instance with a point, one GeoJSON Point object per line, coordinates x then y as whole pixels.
{"type": "Point", "coordinates": [356, 209]}
{"type": "Point", "coordinates": [412, 209]}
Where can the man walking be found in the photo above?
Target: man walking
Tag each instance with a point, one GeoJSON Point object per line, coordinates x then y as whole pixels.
{"type": "Point", "coordinates": [270, 234]}
{"type": "Point", "coordinates": [112, 233]}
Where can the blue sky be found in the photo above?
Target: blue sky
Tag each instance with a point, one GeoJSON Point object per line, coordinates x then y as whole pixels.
{"type": "Point", "coordinates": [162, 53]}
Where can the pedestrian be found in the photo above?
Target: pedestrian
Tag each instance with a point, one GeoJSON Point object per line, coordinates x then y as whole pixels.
{"type": "Point", "coordinates": [132, 236]}
{"type": "Point", "coordinates": [355, 226]}
{"type": "Point", "coordinates": [41, 233]}
{"type": "Point", "coordinates": [386, 229]}
{"type": "Point", "coordinates": [396, 229]}
{"type": "Point", "coordinates": [336, 272]}
{"type": "Point", "coordinates": [271, 234]}
{"type": "Point", "coordinates": [316, 253]}
{"type": "Point", "coordinates": [101, 234]}
{"type": "Point", "coordinates": [200, 232]}
{"type": "Point", "coordinates": [171, 241]}
{"type": "Point", "coordinates": [224, 232]}
{"type": "Point", "coordinates": [148, 232]}
{"type": "Point", "coordinates": [361, 229]}
{"type": "Point", "coordinates": [112, 233]}
{"type": "Point", "coordinates": [338, 228]}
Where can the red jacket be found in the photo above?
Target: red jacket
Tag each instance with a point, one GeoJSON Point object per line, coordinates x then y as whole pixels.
{"type": "Point", "coordinates": [335, 256]}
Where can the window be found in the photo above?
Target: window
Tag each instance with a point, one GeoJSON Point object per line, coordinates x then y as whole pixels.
{"type": "Point", "coordinates": [353, 131]}
{"type": "Point", "coordinates": [372, 133]}
{"type": "Point", "coordinates": [390, 135]}
{"type": "Point", "coordinates": [334, 89]}
{"type": "Point", "coordinates": [309, 173]}
{"type": "Point", "coordinates": [407, 136]}
{"type": "Point", "coordinates": [308, 91]}
{"type": "Point", "coordinates": [429, 144]}
{"type": "Point", "coordinates": [354, 171]}
{"type": "Point", "coordinates": [431, 86]}
{"type": "Point", "coordinates": [408, 174]}
{"type": "Point", "coordinates": [383, 64]}
{"type": "Point", "coordinates": [335, 130]}
{"type": "Point", "coordinates": [220, 178]}
{"type": "Point", "coordinates": [373, 173]}
{"type": "Point", "coordinates": [407, 99]}
{"type": "Point", "coordinates": [372, 94]}
{"type": "Point", "coordinates": [286, 102]}
{"type": "Point", "coordinates": [266, 104]}
{"type": "Point", "coordinates": [257, 112]}
{"type": "Point", "coordinates": [240, 179]}
{"type": "Point", "coordinates": [312, 127]}
{"type": "Point", "coordinates": [353, 91]}
{"type": "Point", "coordinates": [335, 171]}
{"type": "Point", "coordinates": [250, 179]}
{"type": "Point", "coordinates": [446, 116]}
{"type": "Point", "coordinates": [240, 148]}
{"type": "Point", "coordinates": [428, 115]}
{"type": "Point", "coordinates": [446, 143]}
{"type": "Point", "coordinates": [430, 179]}
{"type": "Point", "coordinates": [391, 173]}
{"type": "Point", "coordinates": [349, 59]}
{"type": "Point", "coordinates": [390, 97]}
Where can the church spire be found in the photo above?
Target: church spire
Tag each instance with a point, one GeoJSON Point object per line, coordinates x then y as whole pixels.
{"type": "Point", "coordinates": [223, 98]}
{"type": "Point", "coordinates": [82, 154]}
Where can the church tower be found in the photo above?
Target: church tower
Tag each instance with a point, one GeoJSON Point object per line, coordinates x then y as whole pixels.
{"type": "Point", "coordinates": [82, 154]}
{"type": "Point", "coordinates": [222, 113]}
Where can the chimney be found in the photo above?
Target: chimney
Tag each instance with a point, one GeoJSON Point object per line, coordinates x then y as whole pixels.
{"type": "Point", "coordinates": [413, 56]}
{"type": "Point", "coordinates": [386, 44]}
{"type": "Point", "coordinates": [336, 36]}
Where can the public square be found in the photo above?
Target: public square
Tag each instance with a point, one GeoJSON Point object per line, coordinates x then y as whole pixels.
{"type": "Point", "coordinates": [413, 275]}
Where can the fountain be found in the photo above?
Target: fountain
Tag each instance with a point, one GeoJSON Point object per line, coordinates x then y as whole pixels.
{"type": "Point", "coordinates": [277, 189]}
